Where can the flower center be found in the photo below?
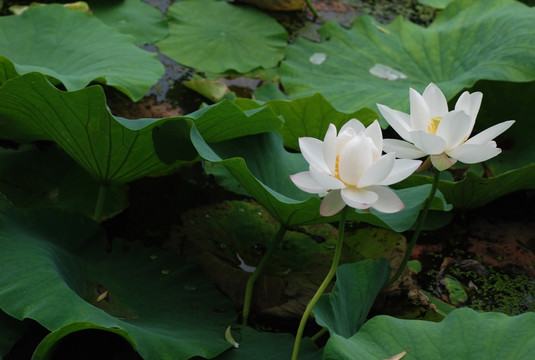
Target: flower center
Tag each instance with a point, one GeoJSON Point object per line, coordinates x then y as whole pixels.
{"type": "Point", "coordinates": [337, 168]}
{"type": "Point", "coordinates": [433, 124]}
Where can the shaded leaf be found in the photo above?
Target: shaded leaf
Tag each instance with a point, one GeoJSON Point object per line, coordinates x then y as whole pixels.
{"type": "Point", "coordinates": [11, 330]}
{"type": "Point", "coordinates": [62, 183]}
{"type": "Point", "coordinates": [215, 36]}
{"type": "Point", "coordinates": [75, 48]}
{"type": "Point", "coordinates": [345, 309]}
{"type": "Point", "coordinates": [169, 311]}
{"type": "Point", "coordinates": [474, 191]}
{"type": "Point", "coordinates": [463, 334]}
{"type": "Point", "coordinates": [268, 346]}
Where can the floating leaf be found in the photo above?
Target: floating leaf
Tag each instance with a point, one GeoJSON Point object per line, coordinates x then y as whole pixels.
{"type": "Point", "coordinates": [70, 268]}
{"type": "Point", "coordinates": [215, 36]}
{"type": "Point", "coordinates": [135, 17]}
{"type": "Point", "coordinates": [463, 334]}
{"type": "Point", "coordinates": [469, 41]}
{"type": "Point", "coordinates": [345, 309]}
{"type": "Point", "coordinates": [75, 48]}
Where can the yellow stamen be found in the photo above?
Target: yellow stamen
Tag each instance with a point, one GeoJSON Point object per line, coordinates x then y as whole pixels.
{"type": "Point", "coordinates": [337, 167]}
{"type": "Point", "coordinates": [433, 124]}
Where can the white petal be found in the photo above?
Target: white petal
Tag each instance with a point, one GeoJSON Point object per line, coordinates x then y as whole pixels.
{"type": "Point", "coordinates": [419, 112]}
{"type": "Point", "coordinates": [332, 203]}
{"type": "Point", "coordinates": [454, 128]}
{"type": "Point", "coordinates": [374, 132]}
{"type": "Point", "coordinates": [359, 198]}
{"type": "Point", "coordinates": [377, 171]}
{"type": "Point", "coordinates": [436, 101]}
{"type": "Point", "coordinates": [387, 202]}
{"type": "Point", "coordinates": [355, 158]}
{"type": "Point", "coordinates": [469, 103]}
{"type": "Point", "coordinates": [399, 121]}
{"type": "Point", "coordinates": [428, 143]}
{"type": "Point", "coordinates": [490, 133]}
{"type": "Point", "coordinates": [355, 125]}
{"type": "Point", "coordinates": [442, 161]}
{"type": "Point", "coordinates": [325, 180]}
{"type": "Point", "coordinates": [307, 183]}
{"type": "Point", "coordinates": [402, 169]}
{"type": "Point", "coordinates": [312, 150]}
{"type": "Point", "coordinates": [402, 149]}
{"type": "Point", "coordinates": [475, 153]}
{"type": "Point", "coordinates": [329, 148]}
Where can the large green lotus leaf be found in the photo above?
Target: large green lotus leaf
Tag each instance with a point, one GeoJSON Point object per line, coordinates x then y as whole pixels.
{"type": "Point", "coordinates": [252, 344]}
{"type": "Point", "coordinates": [62, 183]}
{"type": "Point", "coordinates": [219, 122]}
{"type": "Point", "coordinates": [345, 309]}
{"type": "Point", "coordinates": [133, 17]}
{"type": "Point", "coordinates": [76, 48]}
{"type": "Point", "coordinates": [470, 40]}
{"type": "Point", "coordinates": [463, 334]}
{"type": "Point", "coordinates": [263, 167]}
{"type": "Point", "coordinates": [7, 70]}
{"type": "Point", "coordinates": [215, 36]}
{"type": "Point", "coordinates": [54, 266]}
{"type": "Point", "coordinates": [113, 150]}
{"type": "Point", "coordinates": [308, 116]}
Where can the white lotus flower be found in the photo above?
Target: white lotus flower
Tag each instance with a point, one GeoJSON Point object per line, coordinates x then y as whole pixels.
{"type": "Point", "coordinates": [349, 168]}
{"type": "Point", "coordinates": [431, 129]}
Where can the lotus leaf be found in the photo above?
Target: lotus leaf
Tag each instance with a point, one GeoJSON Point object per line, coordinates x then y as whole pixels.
{"type": "Point", "coordinates": [372, 63]}
{"type": "Point", "coordinates": [215, 36]}
{"type": "Point", "coordinates": [55, 269]}
{"type": "Point", "coordinates": [463, 334]}
{"type": "Point", "coordinates": [75, 49]}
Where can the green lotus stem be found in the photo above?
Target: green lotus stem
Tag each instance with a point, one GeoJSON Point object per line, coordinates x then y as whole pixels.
{"type": "Point", "coordinates": [99, 207]}
{"type": "Point", "coordinates": [256, 273]}
{"type": "Point", "coordinates": [319, 334]}
{"type": "Point", "coordinates": [323, 286]}
{"type": "Point", "coordinates": [312, 8]}
{"type": "Point", "coordinates": [418, 228]}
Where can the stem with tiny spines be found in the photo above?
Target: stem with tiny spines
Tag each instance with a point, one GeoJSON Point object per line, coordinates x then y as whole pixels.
{"type": "Point", "coordinates": [323, 286]}
{"type": "Point", "coordinates": [418, 228]}
{"type": "Point", "coordinates": [101, 197]}
{"type": "Point", "coordinates": [258, 270]}
{"type": "Point", "coordinates": [313, 9]}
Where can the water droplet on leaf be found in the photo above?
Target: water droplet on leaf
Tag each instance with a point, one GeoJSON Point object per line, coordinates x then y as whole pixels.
{"type": "Point", "coordinates": [318, 58]}
{"type": "Point", "coordinates": [386, 72]}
